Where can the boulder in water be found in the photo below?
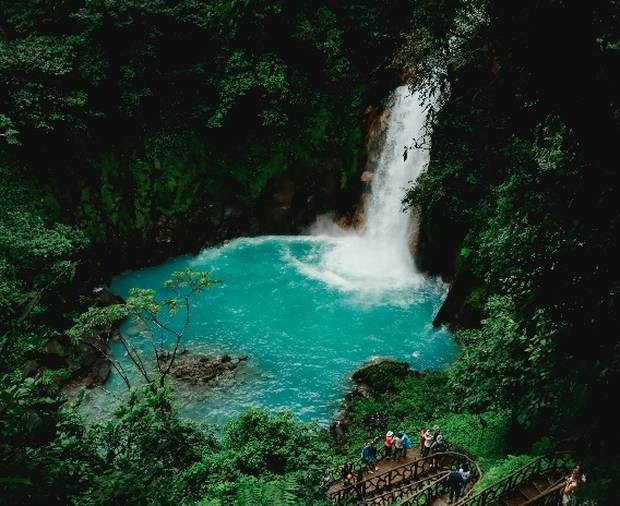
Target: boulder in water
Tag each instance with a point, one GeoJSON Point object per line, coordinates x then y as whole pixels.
{"type": "Point", "coordinates": [198, 368]}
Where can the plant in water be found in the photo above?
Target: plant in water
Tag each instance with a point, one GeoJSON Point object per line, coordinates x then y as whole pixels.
{"type": "Point", "coordinates": [157, 316]}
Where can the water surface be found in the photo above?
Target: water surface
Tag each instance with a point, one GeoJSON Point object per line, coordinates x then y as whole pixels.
{"type": "Point", "coordinates": [310, 310]}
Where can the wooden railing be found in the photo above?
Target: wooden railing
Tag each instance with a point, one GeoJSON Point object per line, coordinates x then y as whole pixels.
{"type": "Point", "coordinates": [550, 497]}
{"type": "Point", "coordinates": [427, 495]}
{"type": "Point", "coordinates": [403, 475]}
{"type": "Point", "coordinates": [358, 464]}
{"type": "Point", "coordinates": [408, 471]}
{"type": "Point", "coordinates": [407, 491]}
{"type": "Point", "coordinates": [492, 493]}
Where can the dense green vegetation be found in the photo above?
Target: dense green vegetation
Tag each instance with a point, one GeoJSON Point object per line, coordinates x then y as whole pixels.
{"type": "Point", "coordinates": [519, 206]}
{"type": "Point", "coordinates": [155, 121]}
{"type": "Point", "coordinates": [150, 455]}
{"type": "Point", "coordinates": [133, 130]}
{"type": "Point", "coordinates": [152, 127]}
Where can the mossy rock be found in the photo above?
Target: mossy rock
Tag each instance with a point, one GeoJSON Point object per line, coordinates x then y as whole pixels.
{"type": "Point", "coordinates": [381, 376]}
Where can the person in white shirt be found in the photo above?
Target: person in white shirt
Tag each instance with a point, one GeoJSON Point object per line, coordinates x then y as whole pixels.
{"type": "Point", "coordinates": [466, 474]}
{"type": "Point", "coordinates": [428, 441]}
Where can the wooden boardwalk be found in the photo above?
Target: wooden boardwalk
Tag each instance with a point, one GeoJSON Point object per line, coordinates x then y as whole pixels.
{"type": "Point", "coordinates": [383, 466]}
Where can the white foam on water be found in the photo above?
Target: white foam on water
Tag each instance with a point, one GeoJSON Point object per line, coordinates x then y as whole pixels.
{"type": "Point", "coordinates": [377, 257]}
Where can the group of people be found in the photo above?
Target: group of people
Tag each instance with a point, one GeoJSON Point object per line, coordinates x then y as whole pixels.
{"type": "Point", "coordinates": [457, 483]}
{"type": "Point", "coordinates": [431, 441]}
{"type": "Point", "coordinates": [396, 446]}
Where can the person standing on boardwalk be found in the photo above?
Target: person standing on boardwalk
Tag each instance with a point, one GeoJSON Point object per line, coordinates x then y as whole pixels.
{"type": "Point", "coordinates": [369, 456]}
{"type": "Point", "coordinates": [465, 474]}
{"type": "Point", "coordinates": [422, 434]}
{"type": "Point", "coordinates": [397, 443]}
{"type": "Point", "coordinates": [571, 482]}
{"type": "Point", "coordinates": [455, 481]}
{"type": "Point", "coordinates": [389, 437]}
{"type": "Point", "coordinates": [428, 441]}
{"type": "Point", "coordinates": [346, 471]}
{"type": "Point", "coordinates": [438, 445]}
{"type": "Point", "coordinates": [406, 443]}
{"type": "Point", "coordinates": [359, 484]}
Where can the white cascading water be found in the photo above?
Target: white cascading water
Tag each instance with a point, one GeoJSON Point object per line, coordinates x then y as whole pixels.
{"type": "Point", "coordinates": [377, 257]}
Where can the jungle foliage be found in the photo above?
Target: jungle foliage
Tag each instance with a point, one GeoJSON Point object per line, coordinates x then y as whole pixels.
{"type": "Point", "coordinates": [146, 118]}
{"type": "Point", "coordinates": [128, 126]}
{"type": "Point", "coordinates": [126, 123]}
{"type": "Point", "coordinates": [520, 196]}
{"type": "Point", "coordinates": [148, 454]}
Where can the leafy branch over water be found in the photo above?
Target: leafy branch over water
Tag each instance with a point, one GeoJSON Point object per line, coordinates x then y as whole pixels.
{"type": "Point", "coordinates": [143, 307]}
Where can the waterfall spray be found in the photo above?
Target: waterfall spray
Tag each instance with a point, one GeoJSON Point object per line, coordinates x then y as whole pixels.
{"type": "Point", "coordinates": [377, 257]}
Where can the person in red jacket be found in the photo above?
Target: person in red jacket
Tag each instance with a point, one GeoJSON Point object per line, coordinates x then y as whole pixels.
{"type": "Point", "coordinates": [389, 437]}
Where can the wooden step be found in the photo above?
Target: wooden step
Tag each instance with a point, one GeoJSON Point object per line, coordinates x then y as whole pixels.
{"type": "Point", "coordinates": [513, 500]}
{"type": "Point", "coordinates": [541, 483]}
{"type": "Point", "coordinates": [528, 490]}
{"type": "Point", "coordinates": [553, 476]}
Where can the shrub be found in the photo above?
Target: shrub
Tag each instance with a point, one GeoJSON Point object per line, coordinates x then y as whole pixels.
{"type": "Point", "coordinates": [482, 435]}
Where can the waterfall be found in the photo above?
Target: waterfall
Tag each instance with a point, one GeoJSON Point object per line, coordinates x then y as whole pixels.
{"type": "Point", "coordinates": [377, 256]}
{"type": "Point", "coordinates": [385, 222]}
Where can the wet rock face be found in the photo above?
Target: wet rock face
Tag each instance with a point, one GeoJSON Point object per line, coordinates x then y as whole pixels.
{"type": "Point", "coordinates": [198, 368]}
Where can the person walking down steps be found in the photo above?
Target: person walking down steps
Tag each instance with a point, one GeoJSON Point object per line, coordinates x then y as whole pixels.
{"type": "Point", "coordinates": [455, 482]}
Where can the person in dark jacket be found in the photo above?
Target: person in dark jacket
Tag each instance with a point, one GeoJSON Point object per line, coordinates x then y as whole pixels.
{"type": "Point", "coordinates": [369, 456]}
{"type": "Point", "coordinates": [359, 484]}
{"type": "Point", "coordinates": [455, 481]}
{"type": "Point", "coordinates": [439, 443]}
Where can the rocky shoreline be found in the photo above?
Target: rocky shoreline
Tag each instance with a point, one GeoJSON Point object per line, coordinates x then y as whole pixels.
{"type": "Point", "coordinates": [86, 363]}
{"type": "Point", "coordinates": [372, 378]}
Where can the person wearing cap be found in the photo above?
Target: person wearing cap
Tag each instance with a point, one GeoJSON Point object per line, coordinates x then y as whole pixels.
{"type": "Point", "coordinates": [406, 443]}
{"type": "Point", "coordinates": [389, 437]}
